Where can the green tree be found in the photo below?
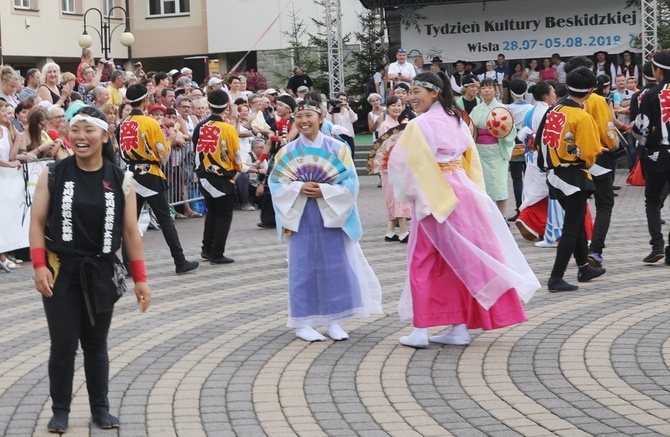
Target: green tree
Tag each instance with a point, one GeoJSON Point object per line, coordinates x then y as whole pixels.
{"type": "Point", "coordinates": [370, 54]}
{"type": "Point", "coordinates": [298, 53]}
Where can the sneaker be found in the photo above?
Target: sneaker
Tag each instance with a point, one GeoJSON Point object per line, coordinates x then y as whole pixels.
{"type": "Point", "coordinates": [587, 273]}
{"type": "Point", "coordinates": [557, 285]}
{"type": "Point", "coordinates": [595, 259]}
{"type": "Point", "coordinates": [545, 244]}
{"type": "Point", "coordinates": [186, 266]}
{"type": "Point", "coordinates": [248, 207]}
{"type": "Point", "coordinates": [655, 256]}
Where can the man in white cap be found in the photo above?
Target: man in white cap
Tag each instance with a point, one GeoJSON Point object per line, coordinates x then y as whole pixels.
{"type": "Point", "coordinates": [491, 73]}
{"type": "Point", "coordinates": [401, 70]}
{"type": "Point", "coordinates": [302, 90]}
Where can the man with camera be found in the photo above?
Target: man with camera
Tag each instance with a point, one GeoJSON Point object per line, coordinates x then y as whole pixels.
{"type": "Point", "coordinates": [342, 115]}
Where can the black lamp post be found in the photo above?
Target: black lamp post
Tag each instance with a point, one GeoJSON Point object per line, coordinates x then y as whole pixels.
{"type": "Point", "coordinates": [106, 31]}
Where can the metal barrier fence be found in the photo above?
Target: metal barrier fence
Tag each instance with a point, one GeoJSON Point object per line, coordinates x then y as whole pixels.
{"type": "Point", "coordinates": [182, 181]}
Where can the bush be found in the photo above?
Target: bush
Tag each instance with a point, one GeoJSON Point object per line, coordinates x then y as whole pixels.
{"type": "Point", "coordinates": [255, 79]}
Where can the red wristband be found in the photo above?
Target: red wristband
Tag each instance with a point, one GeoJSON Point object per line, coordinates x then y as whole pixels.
{"type": "Point", "coordinates": [263, 157]}
{"type": "Point", "coordinates": [39, 257]}
{"type": "Point", "coordinates": [274, 138]}
{"type": "Point", "coordinates": [624, 127]}
{"type": "Point", "coordinates": [138, 270]}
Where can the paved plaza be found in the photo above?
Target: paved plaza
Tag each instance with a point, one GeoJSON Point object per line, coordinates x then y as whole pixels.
{"type": "Point", "coordinates": [213, 357]}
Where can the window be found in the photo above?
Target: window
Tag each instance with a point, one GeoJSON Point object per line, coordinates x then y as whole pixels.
{"type": "Point", "coordinates": [22, 4]}
{"type": "Point", "coordinates": [68, 6]}
{"type": "Point", "coordinates": [107, 5]}
{"type": "Point", "coordinates": [169, 7]}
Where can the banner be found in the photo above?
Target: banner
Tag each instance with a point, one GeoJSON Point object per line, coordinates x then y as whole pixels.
{"type": "Point", "coordinates": [18, 187]}
{"type": "Point", "coordinates": [521, 29]}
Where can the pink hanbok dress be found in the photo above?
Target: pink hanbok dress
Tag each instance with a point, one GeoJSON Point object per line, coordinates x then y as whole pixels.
{"type": "Point", "coordinates": [464, 265]}
{"type": "Point", "coordinates": [394, 208]}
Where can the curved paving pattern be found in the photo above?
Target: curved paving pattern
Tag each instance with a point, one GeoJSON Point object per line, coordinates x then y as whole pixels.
{"type": "Point", "coordinates": [213, 356]}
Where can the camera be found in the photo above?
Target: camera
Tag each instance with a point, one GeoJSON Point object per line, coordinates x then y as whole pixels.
{"type": "Point", "coordinates": [334, 105]}
{"type": "Point", "coordinates": [137, 64]}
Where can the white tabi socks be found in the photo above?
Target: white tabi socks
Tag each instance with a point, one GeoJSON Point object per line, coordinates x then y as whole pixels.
{"type": "Point", "coordinates": [458, 336]}
{"type": "Point", "coordinates": [418, 338]}
{"type": "Point", "coordinates": [310, 334]}
{"type": "Point", "coordinates": [336, 332]}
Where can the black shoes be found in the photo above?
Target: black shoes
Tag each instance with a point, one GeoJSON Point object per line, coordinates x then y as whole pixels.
{"type": "Point", "coordinates": [58, 423]}
{"type": "Point", "coordinates": [587, 273]}
{"type": "Point", "coordinates": [513, 218]}
{"type": "Point", "coordinates": [204, 255]}
{"type": "Point", "coordinates": [393, 238]}
{"type": "Point", "coordinates": [221, 260]}
{"type": "Point", "coordinates": [265, 225]}
{"type": "Point", "coordinates": [667, 256]}
{"type": "Point", "coordinates": [186, 266]}
{"type": "Point", "coordinates": [655, 256]}
{"type": "Point", "coordinates": [557, 285]}
{"type": "Point", "coordinates": [105, 420]}
{"type": "Point", "coordinates": [404, 239]}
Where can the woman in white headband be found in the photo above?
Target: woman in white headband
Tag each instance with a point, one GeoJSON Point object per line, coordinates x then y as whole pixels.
{"type": "Point", "coordinates": [89, 204]}
{"type": "Point", "coordinates": [464, 268]}
{"type": "Point", "coordinates": [329, 278]}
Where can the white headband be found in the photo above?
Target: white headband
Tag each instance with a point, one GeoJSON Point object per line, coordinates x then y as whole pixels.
{"type": "Point", "coordinates": [577, 90]}
{"type": "Point", "coordinates": [90, 120]}
{"type": "Point", "coordinates": [518, 96]}
{"type": "Point", "coordinates": [217, 106]}
{"type": "Point", "coordinates": [139, 99]}
{"type": "Point", "coordinates": [659, 65]}
{"type": "Point", "coordinates": [648, 78]}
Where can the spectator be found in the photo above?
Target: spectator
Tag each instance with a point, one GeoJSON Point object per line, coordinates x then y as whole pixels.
{"type": "Point", "coordinates": [214, 84]}
{"type": "Point", "coordinates": [49, 90]}
{"type": "Point", "coordinates": [100, 96]}
{"type": "Point", "coordinates": [235, 91]}
{"type": "Point", "coordinates": [21, 115]}
{"type": "Point", "coordinates": [91, 81]}
{"type": "Point", "coordinates": [560, 68]}
{"type": "Point", "coordinates": [457, 78]}
{"type": "Point", "coordinates": [502, 68]}
{"type": "Point", "coordinates": [32, 83]}
{"type": "Point", "coordinates": [37, 141]}
{"type": "Point", "coordinates": [602, 65]}
{"type": "Point", "coordinates": [86, 60]}
{"type": "Point", "coordinates": [258, 124]}
{"type": "Point", "coordinates": [378, 79]}
{"type": "Point", "coordinates": [401, 70]}
{"type": "Point", "coordinates": [302, 90]}
{"type": "Point", "coordinates": [57, 128]}
{"type": "Point", "coordinates": [469, 99]}
{"type": "Point", "coordinates": [200, 109]}
{"type": "Point", "coordinates": [299, 79]}
{"type": "Point", "coordinates": [376, 115]}
{"type": "Point", "coordinates": [124, 111]}
{"type": "Point", "coordinates": [548, 72]}
{"type": "Point", "coordinates": [116, 82]}
{"type": "Point", "coordinates": [8, 84]}
{"type": "Point", "coordinates": [243, 126]}
{"type": "Point", "coordinates": [161, 81]}
{"type": "Point", "coordinates": [342, 115]}
{"type": "Point", "coordinates": [251, 177]}
{"type": "Point", "coordinates": [496, 77]}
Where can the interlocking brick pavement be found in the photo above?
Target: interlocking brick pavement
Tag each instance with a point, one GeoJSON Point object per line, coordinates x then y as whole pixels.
{"type": "Point", "coordinates": [213, 356]}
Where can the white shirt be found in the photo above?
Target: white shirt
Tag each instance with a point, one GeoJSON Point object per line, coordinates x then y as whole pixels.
{"type": "Point", "coordinates": [247, 163]}
{"type": "Point", "coordinates": [498, 77]}
{"type": "Point", "coordinates": [406, 70]}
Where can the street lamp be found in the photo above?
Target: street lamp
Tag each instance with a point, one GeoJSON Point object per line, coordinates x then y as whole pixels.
{"type": "Point", "coordinates": [106, 31]}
